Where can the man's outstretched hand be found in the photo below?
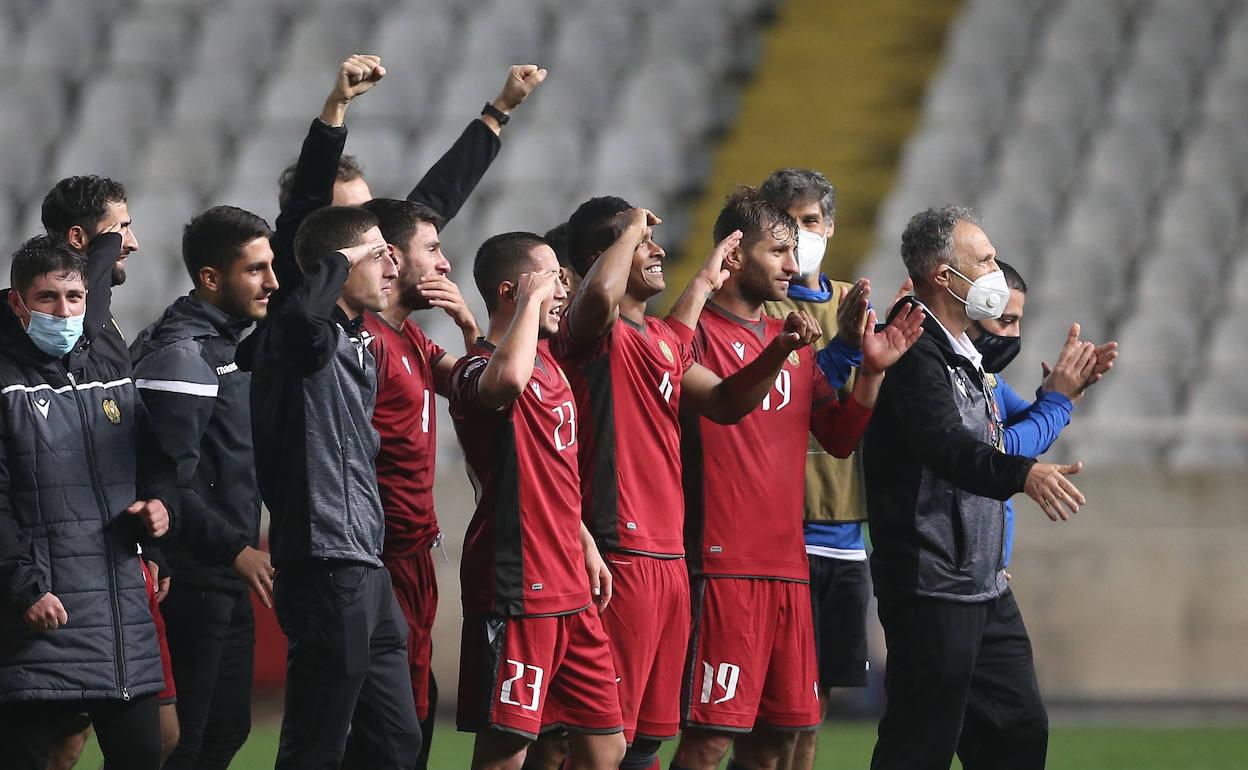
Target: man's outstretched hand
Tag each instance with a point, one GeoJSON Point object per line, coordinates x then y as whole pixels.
{"type": "Point", "coordinates": [851, 312]}
{"type": "Point", "coordinates": [356, 75]}
{"type": "Point", "coordinates": [884, 348]}
{"type": "Point", "coordinates": [1056, 495]}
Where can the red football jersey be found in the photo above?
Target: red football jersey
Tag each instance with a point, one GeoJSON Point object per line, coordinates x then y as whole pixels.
{"type": "Point", "coordinates": [405, 417]}
{"type": "Point", "coordinates": [628, 394]}
{"type": "Point", "coordinates": [522, 552]}
{"type": "Point", "coordinates": [744, 483]}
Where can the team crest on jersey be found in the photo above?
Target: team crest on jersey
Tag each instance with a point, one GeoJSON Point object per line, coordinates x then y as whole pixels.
{"type": "Point", "coordinates": [794, 358]}
{"type": "Point", "coordinates": [666, 350]}
{"type": "Point", "coordinates": [111, 411]}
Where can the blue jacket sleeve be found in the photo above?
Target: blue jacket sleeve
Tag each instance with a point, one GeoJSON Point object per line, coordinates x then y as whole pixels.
{"type": "Point", "coordinates": [1031, 428]}
{"type": "Point", "coordinates": [837, 362]}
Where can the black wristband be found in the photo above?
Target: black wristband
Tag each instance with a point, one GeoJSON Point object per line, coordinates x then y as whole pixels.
{"type": "Point", "coordinates": [496, 113]}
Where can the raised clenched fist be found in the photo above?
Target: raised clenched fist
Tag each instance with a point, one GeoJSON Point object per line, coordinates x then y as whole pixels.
{"type": "Point", "coordinates": [521, 80]}
{"type": "Point", "coordinates": [357, 74]}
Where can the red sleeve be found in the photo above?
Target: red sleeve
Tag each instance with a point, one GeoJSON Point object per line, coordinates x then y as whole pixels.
{"type": "Point", "coordinates": [465, 396]}
{"type": "Point", "coordinates": [424, 344]}
{"type": "Point", "coordinates": [684, 335]}
{"type": "Point", "coordinates": [838, 426]}
{"type": "Point", "coordinates": [571, 352]}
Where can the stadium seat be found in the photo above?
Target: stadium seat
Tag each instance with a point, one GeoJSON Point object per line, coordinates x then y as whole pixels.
{"type": "Point", "coordinates": [238, 39]}
{"type": "Point", "coordinates": [65, 44]}
{"type": "Point", "coordinates": [1063, 91]}
{"type": "Point", "coordinates": [414, 44]}
{"type": "Point", "coordinates": [189, 158]}
{"type": "Point", "coordinates": [149, 43]}
{"type": "Point", "coordinates": [320, 41]}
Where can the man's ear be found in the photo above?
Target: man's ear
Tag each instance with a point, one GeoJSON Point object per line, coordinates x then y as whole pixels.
{"type": "Point", "coordinates": [507, 292]}
{"type": "Point", "coordinates": [19, 307]}
{"type": "Point", "coordinates": [77, 238]}
{"type": "Point", "coordinates": [209, 278]}
{"type": "Point", "coordinates": [831, 228]}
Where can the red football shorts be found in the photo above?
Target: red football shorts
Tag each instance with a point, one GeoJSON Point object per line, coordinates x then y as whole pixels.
{"type": "Point", "coordinates": [170, 693]}
{"type": "Point", "coordinates": [416, 589]}
{"type": "Point", "coordinates": [647, 624]}
{"type": "Point", "coordinates": [753, 656]}
{"type": "Point", "coordinates": [522, 674]}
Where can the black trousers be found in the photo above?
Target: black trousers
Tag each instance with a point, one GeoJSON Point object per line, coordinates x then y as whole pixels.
{"type": "Point", "coordinates": [212, 637]}
{"type": "Point", "coordinates": [128, 731]}
{"type": "Point", "coordinates": [840, 590]}
{"type": "Point", "coordinates": [960, 679]}
{"type": "Point", "coordinates": [346, 670]}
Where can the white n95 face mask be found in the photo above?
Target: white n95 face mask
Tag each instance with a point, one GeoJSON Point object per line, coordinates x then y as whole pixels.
{"type": "Point", "coordinates": [987, 296]}
{"type": "Point", "coordinates": [810, 251]}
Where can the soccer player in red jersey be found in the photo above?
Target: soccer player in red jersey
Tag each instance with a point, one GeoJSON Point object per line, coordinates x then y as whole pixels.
{"type": "Point", "coordinates": [534, 651]}
{"type": "Point", "coordinates": [629, 372]}
{"type": "Point", "coordinates": [411, 368]}
{"type": "Point", "coordinates": [751, 669]}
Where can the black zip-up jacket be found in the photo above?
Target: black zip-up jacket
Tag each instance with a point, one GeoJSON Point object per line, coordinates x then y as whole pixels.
{"type": "Point", "coordinates": [314, 384]}
{"type": "Point", "coordinates": [75, 451]}
{"type": "Point", "coordinates": [936, 477]}
{"type": "Point", "coordinates": [200, 407]}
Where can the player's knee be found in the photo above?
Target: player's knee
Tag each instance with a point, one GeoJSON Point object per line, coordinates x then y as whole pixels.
{"type": "Point", "coordinates": [641, 755]}
{"type": "Point", "coordinates": [170, 731]}
{"type": "Point", "coordinates": [65, 750]}
{"type": "Point", "coordinates": [701, 748]}
{"type": "Point", "coordinates": [597, 752]}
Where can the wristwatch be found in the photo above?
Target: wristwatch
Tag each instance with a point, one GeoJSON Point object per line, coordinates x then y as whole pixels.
{"type": "Point", "coordinates": [496, 113]}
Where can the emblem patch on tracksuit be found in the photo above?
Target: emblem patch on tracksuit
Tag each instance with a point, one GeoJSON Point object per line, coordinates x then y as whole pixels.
{"type": "Point", "coordinates": [111, 411]}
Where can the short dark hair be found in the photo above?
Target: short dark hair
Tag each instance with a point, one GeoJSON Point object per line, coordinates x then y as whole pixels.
{"type": "Point", "coordinates": [1013, 278]}
{"type": "Point", "coordinates": [753, 214]}
{"type": "Point", "coordinates": [790, 186]}
{"type": "Point", "coordinates": [503, 258]}
{"type": "Point", "coordinates": [557, 237]}
{"type": "Point", "coordinates": [398, 219]}
{"type": "Point", "coordinates": [41, 255]}
{"type": "Point", "coordinates": [330, 229]}
{"type": "Point", "coordinates": [79, 200]}
{"type": "Point", "coordinates": [927, 240]}
{"type": "Point", "coordinates": [216, 237]}
{"type": "Point", "coordinates": [349, 169]}
{"type": "Point", "coordinates": [591, 229]}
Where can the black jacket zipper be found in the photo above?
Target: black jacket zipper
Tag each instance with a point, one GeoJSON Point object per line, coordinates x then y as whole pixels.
{"type": "Point", "coordinates": [88, 439]}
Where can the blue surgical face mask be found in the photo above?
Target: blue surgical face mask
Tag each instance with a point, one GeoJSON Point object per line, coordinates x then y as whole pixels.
{"type": "Point", "coordinates": [54, 335]}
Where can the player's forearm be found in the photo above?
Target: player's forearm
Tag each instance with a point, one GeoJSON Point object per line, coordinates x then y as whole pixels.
{"type": "Point", "coordinates": [604, 287]}
{"type": "Point", "coordinates": [689, 307]}
{"type": "Point", "coordinates": [738, 395]}
{"type": "Point", "coordinates": [334, 113]}
{"type": "Point", "coordinates": [867, 388]}
{"type": "Point", "coordinates": [511, 366]}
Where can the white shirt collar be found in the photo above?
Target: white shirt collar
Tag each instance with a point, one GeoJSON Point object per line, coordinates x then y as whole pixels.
{"type": "Point", "coordinates": [962, 344]}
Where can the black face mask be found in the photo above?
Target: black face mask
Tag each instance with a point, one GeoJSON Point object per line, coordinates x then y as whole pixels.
{"type": "Point", "coordinates": [997, 351]}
